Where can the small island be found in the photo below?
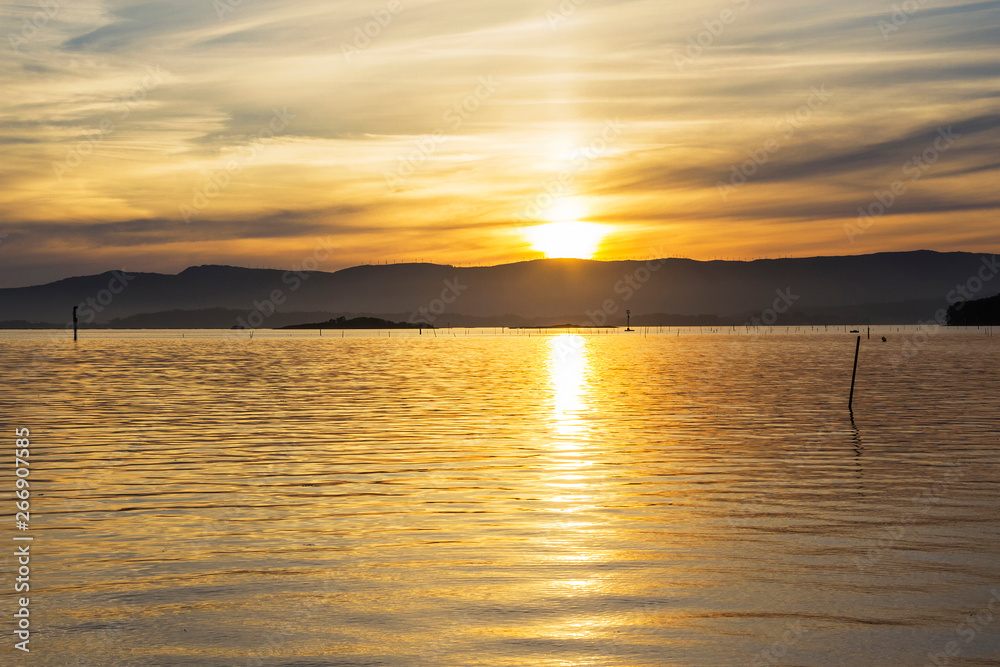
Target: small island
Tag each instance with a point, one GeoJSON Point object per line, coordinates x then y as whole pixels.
{"type": "Point", "coordinates": [360, 323]}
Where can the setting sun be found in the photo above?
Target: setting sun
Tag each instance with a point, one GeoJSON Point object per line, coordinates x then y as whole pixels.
{"type": "Point", "coordinates": [571, 239]}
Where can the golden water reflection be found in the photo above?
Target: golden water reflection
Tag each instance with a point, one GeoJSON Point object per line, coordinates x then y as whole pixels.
{"type": "Point", "coordinates": [569, 485]}
{"type": "Point", "coordinates": [568, 364]}
{"type": "Point", "coordinates": [503, 500]}
{"type": "Point", "coordinates": [573, 534]}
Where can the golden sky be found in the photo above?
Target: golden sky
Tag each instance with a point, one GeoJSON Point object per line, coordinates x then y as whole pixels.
{"type": "Point", "coordinates": [157, 135]}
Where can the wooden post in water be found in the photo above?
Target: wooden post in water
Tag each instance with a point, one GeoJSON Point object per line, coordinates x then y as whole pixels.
{"type": "Point", "coordinates": [850, 401]}
{"type": "Point", "coordinates": [74, 322]}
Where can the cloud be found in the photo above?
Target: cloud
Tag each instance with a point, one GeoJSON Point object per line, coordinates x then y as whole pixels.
{"type": "Point", "coordinates": [891, 154]}
{"type": "Point", "coordinates": [377, 95]}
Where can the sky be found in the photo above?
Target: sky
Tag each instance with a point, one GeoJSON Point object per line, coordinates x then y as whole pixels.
{"type": "Point", "coordinates": [152, 136]}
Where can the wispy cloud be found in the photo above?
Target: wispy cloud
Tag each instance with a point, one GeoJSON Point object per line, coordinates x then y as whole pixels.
{"type": "Point", "coordinates": [359, 117]}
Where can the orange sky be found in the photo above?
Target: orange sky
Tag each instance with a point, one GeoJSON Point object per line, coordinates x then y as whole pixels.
{"type": "Point", "coordinates": [154, 136]}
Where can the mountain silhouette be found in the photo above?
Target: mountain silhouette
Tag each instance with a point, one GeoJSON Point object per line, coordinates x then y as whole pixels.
{"type": "Point", "coordinates": [899, 287]}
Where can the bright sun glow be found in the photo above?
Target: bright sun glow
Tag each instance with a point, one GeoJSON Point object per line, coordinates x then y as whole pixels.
{"type": "Point", "coordinates": [566, 235]}
{"type": "Point", "coordinates": [579, 240]}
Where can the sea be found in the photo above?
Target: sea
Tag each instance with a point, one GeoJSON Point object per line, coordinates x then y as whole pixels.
{"type": "Point", "coordinates": [498, 497]}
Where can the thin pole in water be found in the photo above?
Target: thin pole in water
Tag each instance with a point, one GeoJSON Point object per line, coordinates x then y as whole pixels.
{"type": "Point", "coordinates": [850, 401]}
{"type": "Point", "coordinates": [74, 322]}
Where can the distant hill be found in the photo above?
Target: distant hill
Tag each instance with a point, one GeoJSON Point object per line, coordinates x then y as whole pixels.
{"type": "Point", "coordinates": [977, 313]}
{"type": "Point", "coordinates": [207, 318]}
{"type": "Point", "coordinates": [23, 324]}
{"type": "Point", "coordinates": [881, 288]}
{"type": "Point", "coordinates": [358, 323]}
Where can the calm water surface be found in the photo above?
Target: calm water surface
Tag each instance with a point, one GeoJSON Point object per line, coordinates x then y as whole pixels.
{"type": "Point", "coordinates": [552, 499]}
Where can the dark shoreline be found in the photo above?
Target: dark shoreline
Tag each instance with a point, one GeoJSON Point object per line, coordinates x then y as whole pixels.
{"type": "Point", "coordinates": [359, 323]}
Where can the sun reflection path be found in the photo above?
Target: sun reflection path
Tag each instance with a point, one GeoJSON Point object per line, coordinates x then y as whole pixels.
{"type": "Point", "coordinates": [574, 535]}
{"type": "Point", "coordinates": [568, 369]}
{"type": "Point", "coordinates": [569, 485]}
